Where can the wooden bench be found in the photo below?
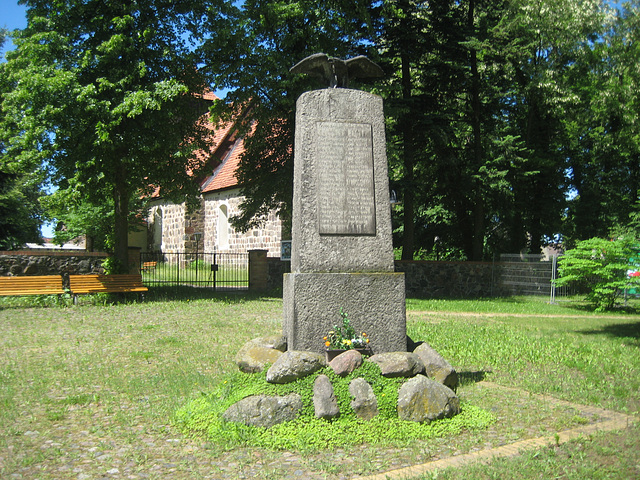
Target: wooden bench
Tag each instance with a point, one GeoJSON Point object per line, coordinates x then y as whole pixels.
{"type": "Point", "coordinates": [31, 285]}
{"type": "Point", "coordinates": [149, 266]}
{"type": "Point", "coordinates": [80, 284]}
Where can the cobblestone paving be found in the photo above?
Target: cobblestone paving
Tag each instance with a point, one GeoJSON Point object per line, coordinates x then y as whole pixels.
{"type": "Point", "coordinates": [84, 445]}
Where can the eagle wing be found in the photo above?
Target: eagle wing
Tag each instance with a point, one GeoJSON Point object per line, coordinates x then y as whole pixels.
{"type": "Point", "coordinates": [317, 65]}
{"type": "Point", "coordinates": [362, 67]}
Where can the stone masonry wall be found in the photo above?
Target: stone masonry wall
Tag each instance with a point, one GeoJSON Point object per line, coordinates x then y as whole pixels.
{"type": "Point", "coordinates": [430, 279]}
{"type": "Point", "coordinates": [50, 262]}
{"type": "Point", "coordinates": [166, 223]}
{"type": "Point", "coordinates": [267, 237]}
{"type": "Point", "coordinates": [194, 223]}
{"type": "Point", "coordinates": [426, 279]}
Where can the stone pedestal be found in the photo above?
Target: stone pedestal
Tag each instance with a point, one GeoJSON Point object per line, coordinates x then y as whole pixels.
{"type": "Point", "coordinates": [341, 250]}
{"type": "Point", "coordinates": [374, 302]}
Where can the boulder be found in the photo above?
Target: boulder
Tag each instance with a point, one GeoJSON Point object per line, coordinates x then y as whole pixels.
{"type": "Point", "coordinates": [256, 354]}
{"type": "Point", "coordinates": [346, 363]}
{"type": "Point", "coordinates": [325, 403]}
{"type": "Point", "coordinates": [294, 365]}
{"type": "Point", "coordinates": [436, 367]}
{"type": "Point", "coordinates": [422, 400]}
{"type": "Point", "coordinates": [364, 403]}
{"type": "Point", "coordinates": [264, 410]}
{"type": "Point", "coordinates": [254, 358]}
{"type": "Point", "coordinates": [398, 364]}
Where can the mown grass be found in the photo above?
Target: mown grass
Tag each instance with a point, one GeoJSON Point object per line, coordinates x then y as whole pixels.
{"type": "Point", "coordinates": [107, 373]}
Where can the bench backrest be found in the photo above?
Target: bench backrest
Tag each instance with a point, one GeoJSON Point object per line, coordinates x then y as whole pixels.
{"type": "Point", "coordinates": [31, 285]}
{"type": "Point", "coordinates": [105, 283]}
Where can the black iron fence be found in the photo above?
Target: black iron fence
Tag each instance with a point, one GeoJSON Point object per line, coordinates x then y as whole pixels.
{"type": "Point", "coordinates": [220, 271]}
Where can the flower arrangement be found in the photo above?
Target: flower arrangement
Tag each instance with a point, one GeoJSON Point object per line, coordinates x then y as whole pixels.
{"type": "Point", "coordinates": [344, 337]}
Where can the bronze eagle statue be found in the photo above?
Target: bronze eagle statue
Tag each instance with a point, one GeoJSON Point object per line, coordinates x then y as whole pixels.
{"type": "Point", "coordinates": [336, 72]}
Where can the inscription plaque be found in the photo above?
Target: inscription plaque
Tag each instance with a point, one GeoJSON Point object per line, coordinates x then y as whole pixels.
{"type": "Point", "coordinates": [346, 194]}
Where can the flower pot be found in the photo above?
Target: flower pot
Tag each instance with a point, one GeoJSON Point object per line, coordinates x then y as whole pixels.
{"type": "Point", "coordinates": [331, 354]}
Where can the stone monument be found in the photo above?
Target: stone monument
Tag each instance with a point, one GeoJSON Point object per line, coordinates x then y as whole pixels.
{"type": "Point", "coordinates": [341, 252]}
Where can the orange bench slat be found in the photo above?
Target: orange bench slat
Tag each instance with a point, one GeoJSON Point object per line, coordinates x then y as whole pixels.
{"type": "Point", "coordinates": [31, 285]}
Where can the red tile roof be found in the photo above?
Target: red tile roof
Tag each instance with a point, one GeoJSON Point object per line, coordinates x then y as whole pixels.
{"type": "Point", "coordinates": [225, 175]}
{"type": "Point", "coordinates": [225, 150]}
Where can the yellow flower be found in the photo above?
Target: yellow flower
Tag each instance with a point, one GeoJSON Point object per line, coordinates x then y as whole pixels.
{"type": "Point", "coordinates": [327, 344]}
{"type": "Point", "coordinates": [324, 338]}
{"type": "Point", "coordinates": [367, 340]}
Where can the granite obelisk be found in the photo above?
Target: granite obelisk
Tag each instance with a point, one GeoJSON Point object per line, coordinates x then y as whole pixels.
{"type": "Point", "coordinates": [342, 253]}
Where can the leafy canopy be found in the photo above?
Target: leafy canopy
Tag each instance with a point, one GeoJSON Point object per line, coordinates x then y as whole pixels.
{"type": "Point", "coordinates": [99, 96]}
{"type": "Point", "coordinates": [601, 266]}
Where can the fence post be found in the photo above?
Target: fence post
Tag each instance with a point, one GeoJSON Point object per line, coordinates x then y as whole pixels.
{"type": "Point", "coordinates": [134, 260]}
{"type": "Point", "coordinates": [258, 270]}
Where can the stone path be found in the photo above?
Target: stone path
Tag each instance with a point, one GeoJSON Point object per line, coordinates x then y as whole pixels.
{"type": "Point", "coordinates": [604, 421]}
{"type": "Point", "coordinates": [89, 444]}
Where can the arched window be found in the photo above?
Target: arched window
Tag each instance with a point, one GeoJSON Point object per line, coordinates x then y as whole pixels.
{"type": "Point", "coordinates": [223, 227]}
{"type": "Point", "coordinates": [157, 229]}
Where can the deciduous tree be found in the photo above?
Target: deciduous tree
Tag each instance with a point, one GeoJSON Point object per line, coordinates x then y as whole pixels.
{"type": "Point", "coordinates": [99, 95]}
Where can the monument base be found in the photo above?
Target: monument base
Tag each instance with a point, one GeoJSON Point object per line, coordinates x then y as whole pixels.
{"type": "Point", "coordinates": [374, 303]}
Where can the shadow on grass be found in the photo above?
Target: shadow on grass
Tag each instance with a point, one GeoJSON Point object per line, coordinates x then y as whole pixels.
{"type": "Point", "coordinates": [155, 294]}
{"type": "Point", "coordinates": [177, 293]}
{"type": "Point", "coordinates": [468, 378]}
{"type": "Point", "coordinates": [628, 331]}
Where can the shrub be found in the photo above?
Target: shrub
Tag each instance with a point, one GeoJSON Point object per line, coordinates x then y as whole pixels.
{"type": "Point", "coordinates": [602, 267]}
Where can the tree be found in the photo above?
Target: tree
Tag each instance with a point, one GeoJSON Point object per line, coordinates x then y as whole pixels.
{"type": "Point", "coordinates": [605, 140]}
{"type": "Point", "coordinates": [601, 266]}
{"type": "Point", "coordinates": [250, 51]}
{"type": "Point", "coordinates": [20, 213]}
{"type": "Point", "coordinates": [100, 96]}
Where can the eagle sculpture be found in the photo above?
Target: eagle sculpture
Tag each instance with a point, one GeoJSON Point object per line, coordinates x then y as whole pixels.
{"type": "Point", "coordinates": [336, 72]}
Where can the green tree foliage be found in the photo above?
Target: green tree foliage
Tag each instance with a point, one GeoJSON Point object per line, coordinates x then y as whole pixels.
{"type": "Point", "coordinates": [604, 137]}
{"type": "Point", "coordinates": [496, 110]}
{"type": "Point", "coordinates": [601, 267]}
{"type": "Point", "coordinates": [99, 95]}
{"type": "Point", "coordinates": [20, 212]}
{"type": "Point", "coordinates": [250, 51]}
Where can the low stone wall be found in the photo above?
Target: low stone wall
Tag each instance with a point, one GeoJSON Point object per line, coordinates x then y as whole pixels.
{"type": "Point", "coordinates": [277, 268]}
{"type": "Point", "coordinates": [424, 279]}
{"type": "Point", "coordinates": [50, 262]}
{"type": "Point", "coordinates": [428, 279]}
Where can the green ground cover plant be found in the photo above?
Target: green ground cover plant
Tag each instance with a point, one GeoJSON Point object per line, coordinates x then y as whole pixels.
{"type": "Point", "coordinates": [95, 388]}
{"type": "Point", "coordinates": [307, 432]}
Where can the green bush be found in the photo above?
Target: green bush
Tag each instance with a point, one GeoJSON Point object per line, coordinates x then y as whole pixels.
{"type": "Point", "coordinates": [601, 267]}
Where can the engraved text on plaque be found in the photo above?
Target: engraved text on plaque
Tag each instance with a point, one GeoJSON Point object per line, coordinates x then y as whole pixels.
{"type": "Point", "coordinates": [346, 196]}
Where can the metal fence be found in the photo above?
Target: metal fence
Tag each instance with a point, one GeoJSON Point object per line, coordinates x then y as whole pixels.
{"type": "Point", "coordinates": [219, 271]}
{"type": "Point", "coordinates": [531, 275]}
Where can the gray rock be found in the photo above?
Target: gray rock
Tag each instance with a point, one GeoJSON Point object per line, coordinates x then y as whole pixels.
{"type": "Point", "coordinates": [436, 367]}
{"type": "Point", "coordinates": [422, 400]}
{"type": "Point", "coordinates": [398, 364]}
{"type": "Point", "coordinates": [259, 352]}
{"type": "Point", "coordinates": [254, 358]}
{"type": "Point", "coordinates": [294, 365]}
{"type": "Point", "coordinates": [325, 403]}
{"type": "Point", "coordinates": [364, 403]}
{"type": "Point", "coordinates": [264, 410]}
{"type": "Point", "coordinates": [346, 363]}
{"type": "Point", "coordinates": [277, 342]}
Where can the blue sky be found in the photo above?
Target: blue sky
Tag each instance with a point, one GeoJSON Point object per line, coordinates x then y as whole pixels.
{"type": "Point", "coordinates": [12, 16]}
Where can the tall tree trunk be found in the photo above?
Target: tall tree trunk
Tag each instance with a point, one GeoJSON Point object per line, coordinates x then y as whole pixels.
{"type": "Point", "coordinates": [476, 106]}
{"type": "Point", "coordinates": [121, 222]}
{"type": "Point", "coordinates": [408, 152]}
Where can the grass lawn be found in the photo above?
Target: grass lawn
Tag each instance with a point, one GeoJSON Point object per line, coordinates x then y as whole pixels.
{"type": "Point", "coordinates": [91, 391]}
